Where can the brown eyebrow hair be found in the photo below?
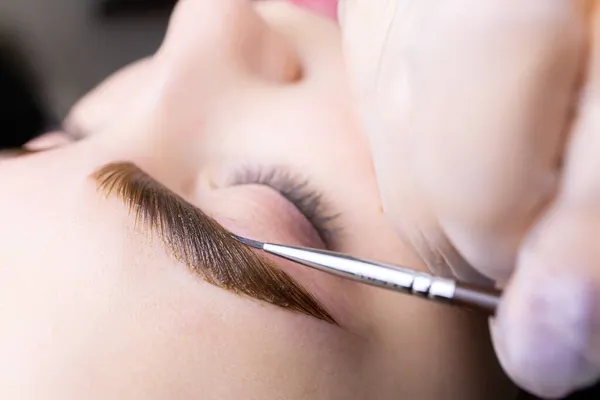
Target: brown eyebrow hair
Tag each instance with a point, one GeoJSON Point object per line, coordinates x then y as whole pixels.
{"type": "Point", "coordinates": [202, 244]}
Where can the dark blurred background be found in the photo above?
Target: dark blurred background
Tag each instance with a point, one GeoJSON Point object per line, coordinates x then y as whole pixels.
{"type": "Point", "coordinates": [54, 51]}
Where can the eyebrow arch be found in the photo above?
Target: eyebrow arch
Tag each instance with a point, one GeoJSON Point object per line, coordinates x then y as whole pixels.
{"type": "Point", "coordinates": [198, 241]}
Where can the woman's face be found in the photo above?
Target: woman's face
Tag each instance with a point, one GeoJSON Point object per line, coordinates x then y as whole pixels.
{"type": "Point", "coordinates": [245, 113]}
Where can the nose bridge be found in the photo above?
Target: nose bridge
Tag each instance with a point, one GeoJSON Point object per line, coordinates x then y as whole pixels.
{"type": "Point", "coordinates": [211, 48]}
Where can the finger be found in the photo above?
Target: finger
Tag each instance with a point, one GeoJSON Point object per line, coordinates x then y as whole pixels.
{"type": "Point", "coordinates": [379, 37]}
{"type": "Point", "coordinates": [466, 115]}
{"type": "Point", "coordinates": [548, 328]}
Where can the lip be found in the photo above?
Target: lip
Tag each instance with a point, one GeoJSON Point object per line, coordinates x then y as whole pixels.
{"type": "Point", "coordinates": [326, 8]}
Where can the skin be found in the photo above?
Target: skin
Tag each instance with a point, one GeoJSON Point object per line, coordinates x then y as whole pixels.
{"type": "Point", "coordinates": [94, 308]}
{"type": "Point", "coordinates": [482, 118]}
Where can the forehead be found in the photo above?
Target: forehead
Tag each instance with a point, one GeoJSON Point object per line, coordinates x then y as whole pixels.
{"type": "Point", "coordinates": [70, 260]}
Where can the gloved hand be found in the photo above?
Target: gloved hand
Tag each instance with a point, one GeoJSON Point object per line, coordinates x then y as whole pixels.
{"type": "Point", "coordinates": [484, 122]}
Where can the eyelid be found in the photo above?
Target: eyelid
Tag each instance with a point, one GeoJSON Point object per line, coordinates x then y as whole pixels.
{"type": "Point", "coordinates": [202, 244]}
{"type": "Point", "coordinates": [6, 154]}
{"type": "Point", "coordinates": [44, 142]}
{"type": "Point", "coordinates": [297, 190]}
{"type": "Point", "coordinates": [48, 141]}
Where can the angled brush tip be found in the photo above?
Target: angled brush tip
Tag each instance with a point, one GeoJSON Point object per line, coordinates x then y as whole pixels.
{"type": "Point", "coordinates": [248, 242]}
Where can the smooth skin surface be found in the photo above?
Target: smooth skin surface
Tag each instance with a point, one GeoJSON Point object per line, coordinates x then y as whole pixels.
{"type": "Point", "coordinates": [95, 308]}
{"type": "Point", "coordinates": [483, 121]}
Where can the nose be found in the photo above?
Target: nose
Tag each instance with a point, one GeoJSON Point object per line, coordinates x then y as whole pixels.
{"type": "Point", "coordinates": [228, 37]}
{"type": "Point", "coordinates": [213, 50]}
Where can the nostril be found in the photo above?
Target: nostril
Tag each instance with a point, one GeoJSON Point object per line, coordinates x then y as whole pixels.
{"type": "Point", "coordinates": [233, 35]}
{"type": "Point", "coordinates": [275, 59]}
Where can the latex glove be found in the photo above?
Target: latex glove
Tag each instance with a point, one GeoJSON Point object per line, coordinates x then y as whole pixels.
{"type": "Point", "coordinates": [488, 160]}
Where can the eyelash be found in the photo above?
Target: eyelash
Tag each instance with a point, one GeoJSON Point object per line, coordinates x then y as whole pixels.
{"type": "Point", "coordinates": [296, 189]}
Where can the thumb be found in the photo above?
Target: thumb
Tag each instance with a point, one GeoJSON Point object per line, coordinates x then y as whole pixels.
{"type": "Point", "coordinates": [547, 329]}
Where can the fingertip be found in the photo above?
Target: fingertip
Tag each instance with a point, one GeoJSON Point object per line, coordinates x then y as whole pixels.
{"type": "Point", "coordinates": [542, 330]}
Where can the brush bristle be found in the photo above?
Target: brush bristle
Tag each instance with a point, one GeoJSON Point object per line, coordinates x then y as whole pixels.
{"type": "Point", "coordinates": [249, 242]}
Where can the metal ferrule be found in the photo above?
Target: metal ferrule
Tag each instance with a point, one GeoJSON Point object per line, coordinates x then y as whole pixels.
{"type": "Point", "coordinates": [372, 273]}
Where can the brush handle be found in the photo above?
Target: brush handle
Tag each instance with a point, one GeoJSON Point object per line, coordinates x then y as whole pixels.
{"type": "Point", "coordinates": [476, 298]}
{"type": "Point", "coordinates": [389, 277]}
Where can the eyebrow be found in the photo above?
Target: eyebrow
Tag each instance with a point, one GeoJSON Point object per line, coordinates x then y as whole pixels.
{"type": "Point", "coordinates": [197, 240]}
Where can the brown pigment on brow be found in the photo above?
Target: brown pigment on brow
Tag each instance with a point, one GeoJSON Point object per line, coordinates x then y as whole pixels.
{"type": "Point", "coordinates": [202, 244]}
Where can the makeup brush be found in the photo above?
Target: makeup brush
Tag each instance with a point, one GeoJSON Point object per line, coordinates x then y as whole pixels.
{"type": "Point", "coordinates": [387, 276]}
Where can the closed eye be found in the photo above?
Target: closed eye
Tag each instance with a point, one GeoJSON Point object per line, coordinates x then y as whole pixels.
{"type": "Point", "coordinates": [297, 190]}
{"type": "Point", "coordinates": [202, 244]}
